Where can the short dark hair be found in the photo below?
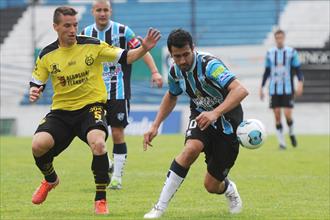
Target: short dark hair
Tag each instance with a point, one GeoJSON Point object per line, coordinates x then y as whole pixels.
{"type": "Point", "coordinates": [64, 10]}
{"type": "Point", "coordinates": [279, 31]}
{"type": "Point", "coordinates": [179, 38]}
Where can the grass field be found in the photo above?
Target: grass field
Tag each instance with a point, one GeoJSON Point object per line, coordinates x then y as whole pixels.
{"type": "Point", "coordinates": [291, 184]}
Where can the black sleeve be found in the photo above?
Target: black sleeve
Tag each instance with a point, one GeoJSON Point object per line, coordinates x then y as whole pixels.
{"type": "Point", "coordinates": [32, 84]}
{"type": "Point", "coordinates": [123, 58]}
{"type": "Point", "coordinates": [265, 76]}
{"type": "Point", "coordinates": [299, 74]}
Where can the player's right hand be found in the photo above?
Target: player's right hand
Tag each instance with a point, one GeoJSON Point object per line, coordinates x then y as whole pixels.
{"type": "Point", "coordinates": [148, 136]}
{"type": "Point", "coordinates": [35, 93]}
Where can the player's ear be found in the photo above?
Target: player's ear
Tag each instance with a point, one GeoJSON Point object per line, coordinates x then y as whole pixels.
{"type": "Point", "coordinates": [55, 26]}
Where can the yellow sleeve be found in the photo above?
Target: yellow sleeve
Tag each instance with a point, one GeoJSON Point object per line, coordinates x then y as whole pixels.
{"type": "Point", "coordinates": [109, 53]}
{"type": "Point", "coordinates": [40, 73]}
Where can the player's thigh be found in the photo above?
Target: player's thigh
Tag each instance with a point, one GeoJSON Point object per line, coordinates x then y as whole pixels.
{"type": "Point", "coordinates": [91, 117]}
{"type": "Point", "coordinates": [287, 101]}
{"type": "Point", "coordinates": [221, 155]}
{"type": "Point", "coordinates": [190, 152]}
{"type": "Point", "coordinates": [195, 140]}
{"type": "Point", "coordinates": [61, 132]}
{"type": "Point", "coordinates": [118, 112]}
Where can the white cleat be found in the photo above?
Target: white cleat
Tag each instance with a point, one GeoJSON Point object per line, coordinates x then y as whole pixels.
{"type": "Point", "coordinates": [155, 212]}
{"type": "Point", "coordinates": [234, 200]}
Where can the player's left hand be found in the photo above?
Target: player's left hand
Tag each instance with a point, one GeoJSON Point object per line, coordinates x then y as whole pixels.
{"type": "Point", "coordinates": [204, 119]}
{"type": "Point", "coordinates": [151, 39]}
{"type": "Point", "coordinates": [299, 90]}
{"type": "Point", "coordinates": [157, 79]}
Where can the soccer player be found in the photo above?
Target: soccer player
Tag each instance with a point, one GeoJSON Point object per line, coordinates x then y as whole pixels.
{"type": "Point", "coordinates": [117, 79]}
{"type": "Point", "coordinates": [74, 65]}
{"type": "Point", "coordinates": [282, 63]}
{"type": "Point", "coordinates": [215, 96]}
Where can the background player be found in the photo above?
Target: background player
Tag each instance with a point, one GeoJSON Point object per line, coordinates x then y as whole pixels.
{"type": "Point", "coordinates": [74, 65]}
{"type": "Point", "coordinates": [118, 80]}
{"type": "Point", "coordinates": [281, 64]}
{"type": "Point", "coordinates": [215, 96]}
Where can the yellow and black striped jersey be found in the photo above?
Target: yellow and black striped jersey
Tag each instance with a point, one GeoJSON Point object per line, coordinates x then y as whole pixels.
{"type": "Point", "coordinates": [75, 72]}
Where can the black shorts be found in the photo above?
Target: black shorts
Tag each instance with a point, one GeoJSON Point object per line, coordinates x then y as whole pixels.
{"type": "Point", "coordinates": [220, 149]}
{"type": "Point", "coordinates": [117, 112]}
{"type": "Point", "coordinates": [66, 125]}
{"type": "Point", "coordinates": [281, 101]}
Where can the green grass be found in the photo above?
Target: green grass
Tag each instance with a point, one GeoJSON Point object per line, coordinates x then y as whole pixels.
{"type": "Point", "coordinates": [291, 184]}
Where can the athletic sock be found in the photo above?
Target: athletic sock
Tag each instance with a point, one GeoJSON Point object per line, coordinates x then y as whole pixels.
{"type": "Point", "coordinates": [175, 177]}
{"type": "Point", "coordinates": [119, 160]}
{"type": "Point", "coordinates": [290, 125]}
{"type": "Point", "coordinates": [100, 167]}
{"type": "Point", "coordinates": [227, 181]}
{"type": "Point", "coordinates": [45, 165]}
{"type": "Point", "coordinates": [280, 135]}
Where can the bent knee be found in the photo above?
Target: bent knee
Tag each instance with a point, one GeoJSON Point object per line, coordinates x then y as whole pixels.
{"type": "Point", "coordinates": [42, 143]}
{"type": "Point", "coordinates": [98, 147]}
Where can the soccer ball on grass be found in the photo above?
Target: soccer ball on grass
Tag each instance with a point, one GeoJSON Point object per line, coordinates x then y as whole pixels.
{"type": "Point", "coordinates": [251, 133]}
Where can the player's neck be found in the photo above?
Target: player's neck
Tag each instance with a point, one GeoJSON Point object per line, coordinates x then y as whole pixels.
{"type": "Point", "coordinates": [102, 27]}
{"type": "Point", "coordinates": [66, 44]}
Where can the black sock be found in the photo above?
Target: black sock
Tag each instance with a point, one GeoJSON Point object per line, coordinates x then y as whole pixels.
{"type": "Point", "coordinates": [45, 165]}
{"type": "Point", "coordinates": [178, 169]}
{"type": "Point", "coordinates": [289, 122]}
{"type": "Point", "coordinates": [100, 167]}
{"type": "Point", "coordinates": [120, 148]}
{"type": "Point", "coordinates": [226, 185]}
{"type": "Point", "coordinates": [279, 127]}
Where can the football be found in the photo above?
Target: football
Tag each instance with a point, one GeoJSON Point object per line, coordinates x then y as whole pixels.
{"type": "Point", "coordinates": [251, 133]}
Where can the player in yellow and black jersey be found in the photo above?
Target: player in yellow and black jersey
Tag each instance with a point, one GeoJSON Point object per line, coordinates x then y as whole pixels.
{"type": "Point", "coordinates": [73, 64]}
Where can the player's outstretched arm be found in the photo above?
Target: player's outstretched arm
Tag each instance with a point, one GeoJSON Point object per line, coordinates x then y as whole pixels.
{"type": "Point", "coordinates": [147, 43]}
{"type": "Point", "coordinates": [35, 93]}
{"type": "Point", "coordinates": [166, 107]}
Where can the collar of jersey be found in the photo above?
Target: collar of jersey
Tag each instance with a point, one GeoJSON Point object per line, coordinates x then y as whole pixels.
{"type": "Point", "coordinates": [194, 63]}
{"type": "Point", "coordinates": [67, 48]}
{"type": "Point", "coordinates": [105, 29]}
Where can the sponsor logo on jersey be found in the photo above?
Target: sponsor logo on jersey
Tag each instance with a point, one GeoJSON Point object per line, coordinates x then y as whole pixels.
{"type": "Point", "coordinates": [207, 103]}
{"type": "Point", "coordinates": [62, 80]}
{"type": "Point", "coordinates": [54, 68]}
{"type": "Point", "coordinates": [218, 71]}
{"type": "Point", "coordinates": [89, 60]}
{"type": "Point", "coordinates": [71, 63]}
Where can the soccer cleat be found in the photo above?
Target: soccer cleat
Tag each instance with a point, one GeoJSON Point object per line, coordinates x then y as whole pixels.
{"type": "Point", "coordinates": [41, 192]}
{"type": "Point", "coordinates": [282, 147]}
{"type": "Point", "coordinates": [101, 207]}
{"type": "Point", "coordinates": [155, 212]}
{"type": "Point", "coordinates": [293, 141]}
{"type": "Point", "coordinates": [115, 184]}
{"type": "Point", "coordinates": [233, 198]}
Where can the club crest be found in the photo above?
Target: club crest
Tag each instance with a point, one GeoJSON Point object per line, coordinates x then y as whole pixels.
{"type": "Point", "coordinates": [89, 60]}
{"type": "Point", "coordinates": [121, 116]}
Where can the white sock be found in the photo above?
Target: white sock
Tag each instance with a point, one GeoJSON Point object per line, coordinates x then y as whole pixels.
{"type": "Point", "coordinates": [291, 130]}
{"type": "Point", "coordinates": [171, 185]}
{"type": "Point", "coordinates": [280, 136]}
{"type": "Point", "coordinates": [118, 163]}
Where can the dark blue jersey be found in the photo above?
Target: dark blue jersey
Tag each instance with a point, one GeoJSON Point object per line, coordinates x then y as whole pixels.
{"type": "Point", "coordinates": [206, 85]}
